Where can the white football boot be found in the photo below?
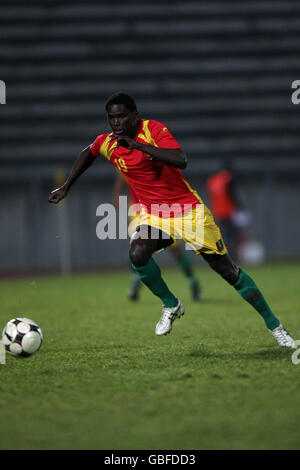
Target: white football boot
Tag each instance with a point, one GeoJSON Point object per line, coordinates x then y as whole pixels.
{"type": "Point", "coordinates": [282, 337]}
{"type": "Point", "coordinates": [169, 314]}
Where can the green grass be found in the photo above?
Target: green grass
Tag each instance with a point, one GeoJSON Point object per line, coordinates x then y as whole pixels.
{"type": "Point", "coordinates": [103, 380]}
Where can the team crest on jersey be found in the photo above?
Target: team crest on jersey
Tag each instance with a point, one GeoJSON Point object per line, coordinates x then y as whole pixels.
{"type": "Point", "coordinates": [220, 245]}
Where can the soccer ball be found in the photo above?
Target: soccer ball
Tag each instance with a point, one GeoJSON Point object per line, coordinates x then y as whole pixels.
{"type": "Point", "coordinates": [22, 337]}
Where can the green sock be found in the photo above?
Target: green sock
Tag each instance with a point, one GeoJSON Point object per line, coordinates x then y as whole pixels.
{"type": "Point", "coordinates": [247, 288]}
{"type": "Point", "coordinates": [185, 265]}
{"type": "Point", "coordinates": [150, 275]}
{"type": "Point", "coordinates": [135, 281]}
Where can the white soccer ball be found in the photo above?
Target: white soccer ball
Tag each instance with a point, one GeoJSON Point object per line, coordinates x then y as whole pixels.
{"type": "Point", "coordinates": [22, 337]}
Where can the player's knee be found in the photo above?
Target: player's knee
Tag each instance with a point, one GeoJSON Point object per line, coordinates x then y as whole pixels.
{"type": "Point", "coordinates": [139, 254]}
{"type": "Point", "coordinates": [224, 266]}
{"type": "Point", "coordinates": [230, 274]}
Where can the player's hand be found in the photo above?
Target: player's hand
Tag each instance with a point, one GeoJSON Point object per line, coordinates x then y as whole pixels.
{"type": "Point", "coordinates": [57, 195]}
{"type": "Point", "coordinates": [125, 141]}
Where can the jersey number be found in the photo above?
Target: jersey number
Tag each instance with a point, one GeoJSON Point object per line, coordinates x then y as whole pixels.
{"type": "Point", "coordinates": [121, 165]}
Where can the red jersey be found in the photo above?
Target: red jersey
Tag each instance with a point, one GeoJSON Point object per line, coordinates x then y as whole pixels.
{"type": "Point", "coordinates": [132, 195]}
{"type": "Point", "coordinates": [153, 182]}
{"type": "Point", "coordinates": [222, 204]}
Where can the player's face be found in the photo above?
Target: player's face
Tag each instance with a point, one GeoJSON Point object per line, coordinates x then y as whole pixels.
{"type": "Point", "coordinates": [121, 120]}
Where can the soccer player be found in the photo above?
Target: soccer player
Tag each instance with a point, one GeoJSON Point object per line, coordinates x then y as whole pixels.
{"type": "Point", "coordinates": [151, 159]}
{"type": "Point", "coordinates": [182, 259]}
{"type": "Point", "coordinates": [227, 209]}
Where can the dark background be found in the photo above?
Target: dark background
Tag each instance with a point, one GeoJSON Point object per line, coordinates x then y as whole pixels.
{"type": "Point", "coordinates": [219, 74]}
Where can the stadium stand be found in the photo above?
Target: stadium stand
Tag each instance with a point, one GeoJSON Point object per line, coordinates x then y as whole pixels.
{"type": "Point", "coordinates": [218, 73]}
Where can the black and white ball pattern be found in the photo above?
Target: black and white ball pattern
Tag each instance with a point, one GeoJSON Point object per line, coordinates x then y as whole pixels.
{"type": "Point", "coordinates": [22, 337]}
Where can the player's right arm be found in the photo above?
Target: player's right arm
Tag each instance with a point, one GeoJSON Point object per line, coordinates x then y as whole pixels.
{"type": "Point", "coordinates": [83, 162]}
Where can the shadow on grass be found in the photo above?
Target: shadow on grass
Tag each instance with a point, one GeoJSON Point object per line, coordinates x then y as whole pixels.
{"type": "Point", "coordinates": [266, 354]}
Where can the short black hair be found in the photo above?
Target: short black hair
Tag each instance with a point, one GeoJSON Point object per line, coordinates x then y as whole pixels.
{"type": "Point", "coordinates": [121, 98]}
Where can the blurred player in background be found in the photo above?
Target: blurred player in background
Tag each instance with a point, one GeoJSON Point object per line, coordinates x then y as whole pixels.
{"type": "Point", "coordinates": [176, 249]}
{"type": "Point", "coordinates": [150, 158]}
{"type": "Point", "coordinates": [227, 209]}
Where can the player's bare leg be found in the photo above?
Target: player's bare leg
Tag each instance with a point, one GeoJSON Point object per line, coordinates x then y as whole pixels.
{"type": "Point", "coordinates": [142, 247]}
{"type": "Point", "coordinates": [247, 288]}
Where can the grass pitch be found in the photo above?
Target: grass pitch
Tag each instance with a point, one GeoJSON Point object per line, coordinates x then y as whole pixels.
{"type": "Point", "coordinates": [103, 380]}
